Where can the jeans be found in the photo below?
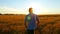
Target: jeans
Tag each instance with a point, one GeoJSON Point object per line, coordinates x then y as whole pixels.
{"type": "Point", "coordinates": [30, 31]}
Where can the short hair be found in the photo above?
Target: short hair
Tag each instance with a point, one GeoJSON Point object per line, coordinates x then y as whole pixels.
{"type": "Point", "coordinates": [30, 8]}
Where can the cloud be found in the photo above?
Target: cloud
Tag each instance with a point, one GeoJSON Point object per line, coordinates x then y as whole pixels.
{"type": "Point", "coordinates": [8, 10]}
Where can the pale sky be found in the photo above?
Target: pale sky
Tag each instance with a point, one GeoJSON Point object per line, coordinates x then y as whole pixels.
{"type": "Point", "coordinates": [21, 6]}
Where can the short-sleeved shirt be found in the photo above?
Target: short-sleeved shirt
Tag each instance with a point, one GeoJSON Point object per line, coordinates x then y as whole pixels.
{"type": "Point", "coordinates": [31, 20]}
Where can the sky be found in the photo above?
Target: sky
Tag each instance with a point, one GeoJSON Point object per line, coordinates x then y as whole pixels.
{"type": "Point", "coordinates": [22, 6]}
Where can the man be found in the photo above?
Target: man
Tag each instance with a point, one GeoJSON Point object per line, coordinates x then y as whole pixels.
{"type": "Point", "coordinates": [31, 19]}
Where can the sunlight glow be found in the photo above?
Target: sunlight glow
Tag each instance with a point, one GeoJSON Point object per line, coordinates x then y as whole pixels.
{"type": "Point", "coordinates": [37, 8]}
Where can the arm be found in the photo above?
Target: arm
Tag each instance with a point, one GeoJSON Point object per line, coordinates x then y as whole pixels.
{"type": "Point", "coordinates": [25, 22]}
{"type": "Point", "coordinates": [37, 18]}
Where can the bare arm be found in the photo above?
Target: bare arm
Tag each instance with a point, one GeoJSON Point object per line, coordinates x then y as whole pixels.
{"type": "Point", "coordinates": [25, 22]}
{"type": "Point", "coordinates": [37, 20]}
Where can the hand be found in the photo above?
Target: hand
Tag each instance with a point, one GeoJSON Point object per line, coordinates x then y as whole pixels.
{"type": "Point", "coordinates": [26, 27]}
{"type": "Point", "coordinates": [37, 25]}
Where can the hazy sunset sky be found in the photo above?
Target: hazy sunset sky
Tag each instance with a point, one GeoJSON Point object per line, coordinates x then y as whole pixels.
{"type": "Point", "coordinates": [21, 6]}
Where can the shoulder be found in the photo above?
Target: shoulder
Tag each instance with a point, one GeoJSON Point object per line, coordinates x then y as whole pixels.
{"type": "Point", "coordinates": [35, 15]}
{"type": "Point", "coordinates": [27, 15]}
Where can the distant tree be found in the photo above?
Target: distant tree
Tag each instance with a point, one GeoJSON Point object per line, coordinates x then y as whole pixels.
{"type": "Point", "coordinates": [0, 14]}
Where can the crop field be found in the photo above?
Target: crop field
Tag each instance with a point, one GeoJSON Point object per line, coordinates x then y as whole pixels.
{"type": "Point", "coordinates": [14, 24]}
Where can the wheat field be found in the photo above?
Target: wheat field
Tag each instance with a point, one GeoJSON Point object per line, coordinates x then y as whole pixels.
{"type": "Point", "coordinates": [14, 24]}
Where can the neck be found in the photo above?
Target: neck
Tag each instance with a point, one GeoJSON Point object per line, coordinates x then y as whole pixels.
{"type": "Point", "coordinates": [31, 13]}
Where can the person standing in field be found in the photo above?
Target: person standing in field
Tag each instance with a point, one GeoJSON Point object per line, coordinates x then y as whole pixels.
{"type": "Point", "coordinates": [30, 21]}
